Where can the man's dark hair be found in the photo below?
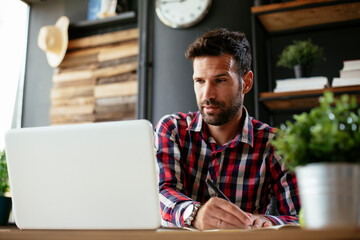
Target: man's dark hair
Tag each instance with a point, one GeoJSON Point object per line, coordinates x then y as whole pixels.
{"type": "Point", "coordinates": [221, 41]}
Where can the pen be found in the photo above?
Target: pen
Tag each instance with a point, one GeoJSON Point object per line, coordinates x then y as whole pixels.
{"type": "Point", "coordinates": [220, 194]}
{"type": "Point", "coordinates": [210, 183]}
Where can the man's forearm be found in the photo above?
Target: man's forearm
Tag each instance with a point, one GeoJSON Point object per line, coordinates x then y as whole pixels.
{"type": "Point", "coordinates": [173, 205]}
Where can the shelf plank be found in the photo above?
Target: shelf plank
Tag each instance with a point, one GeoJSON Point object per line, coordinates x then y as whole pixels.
{"type": "Point", "coordinates": [121, 21]}
{"type": "Point", "coordinates": [285, 5]}
{"type": "Point", "coordinates": [104, 39]}
{"type": "Point", "coordinates": [302, 99]}
{"type": "Point", "coordinates": [285, 18]}
{"type": "Point", "coordinates": [121, 17]}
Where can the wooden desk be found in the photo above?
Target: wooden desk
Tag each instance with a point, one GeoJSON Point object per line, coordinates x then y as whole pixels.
{"type": "Point", "coordinates": [284, 234]}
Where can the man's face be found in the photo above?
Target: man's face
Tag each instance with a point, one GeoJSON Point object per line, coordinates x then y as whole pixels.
{"type": "Point", "coordinates": [217, 88]}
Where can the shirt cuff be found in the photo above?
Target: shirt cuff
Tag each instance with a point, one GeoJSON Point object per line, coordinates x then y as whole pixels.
{"type": "Point", "coordinates": [275, 220]}
{"type": "Point", "coordinates": [282, 220]}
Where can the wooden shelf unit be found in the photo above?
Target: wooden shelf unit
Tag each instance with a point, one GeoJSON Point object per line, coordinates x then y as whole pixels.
{"type": "Point", "coordinates": [139, 16]}
{"type": "Point", "coordinates": [289, 18]}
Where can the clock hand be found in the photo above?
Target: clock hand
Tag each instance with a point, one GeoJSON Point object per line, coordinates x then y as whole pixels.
{"type": "Point", "coordinates": [172, 1]}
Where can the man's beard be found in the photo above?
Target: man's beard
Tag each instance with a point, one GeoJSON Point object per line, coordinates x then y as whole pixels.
{"type": "Point", "coordinates": [226, 113]}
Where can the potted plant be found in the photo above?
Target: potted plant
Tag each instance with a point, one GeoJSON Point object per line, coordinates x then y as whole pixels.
{"type": "Point", "coordinates": [323, 147]}
{"type": "Point", "coordinates": [5, 202]}
{"type": "Point", "coordinates": [300, 56]}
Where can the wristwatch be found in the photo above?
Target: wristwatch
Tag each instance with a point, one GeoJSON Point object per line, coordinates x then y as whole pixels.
{"type": "Point", "coordinates": [190, 213]}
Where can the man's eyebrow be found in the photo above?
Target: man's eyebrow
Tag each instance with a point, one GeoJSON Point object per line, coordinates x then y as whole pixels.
{"type": "Point", "coordinates": [219, 75]}
{"type": "Point", "coordinates": [222, 75]}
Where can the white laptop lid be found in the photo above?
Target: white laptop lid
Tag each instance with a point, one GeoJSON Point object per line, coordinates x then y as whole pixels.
{"type": "Point", "coordinates": [86, 176]}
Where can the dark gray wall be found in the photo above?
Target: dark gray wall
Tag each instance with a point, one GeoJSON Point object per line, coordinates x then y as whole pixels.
{"type": "Point", "coordinates": [172, 72]}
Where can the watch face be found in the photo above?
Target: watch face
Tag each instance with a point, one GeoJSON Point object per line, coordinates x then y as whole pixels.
{"type": "Point", "coordinates": [188, 212]}
{"type": "Point", "coordinates": [181, 13]}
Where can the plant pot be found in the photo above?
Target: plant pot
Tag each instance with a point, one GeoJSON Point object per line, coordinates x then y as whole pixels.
{"type": "Point", "coordinates": [330, 194]}
{"type": "Point", "coordinates": [302, 71]}
{"type": "Point", "coordinates": [5, 208]}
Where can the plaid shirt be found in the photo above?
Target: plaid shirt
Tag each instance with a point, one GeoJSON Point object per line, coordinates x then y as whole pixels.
{"type": "Point", "coordinates": [246, 169]}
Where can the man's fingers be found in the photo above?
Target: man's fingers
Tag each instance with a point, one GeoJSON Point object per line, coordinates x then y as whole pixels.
{"type": "Point", "coordinates": [221, 214]}
{"type": "Point", "coordinates": [230, 225]}
{"type": "Point", "coordinates": [226, 225]}
{"type": "Point", "coordinates": [214, 223]}
{"type": "Point", "coordinates": [267, 224]}
{"type": "Point", "coordinates": [218, 213]}
{"type": "Point", "coordinates": [258, 223]}
{"type": "Point", "coordinates": [230, 218]}
{"type": "Point", "coordinates": [230, 210]}
{"type": "Point", "coordinates": [261, 221]}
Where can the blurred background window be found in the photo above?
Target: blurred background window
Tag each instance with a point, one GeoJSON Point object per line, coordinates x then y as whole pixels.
{"type": "Point", "coordinates": [14, 15]}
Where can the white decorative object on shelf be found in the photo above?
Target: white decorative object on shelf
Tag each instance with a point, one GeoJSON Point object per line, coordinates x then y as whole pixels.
{"type": "Point", "coordinates": [349, 74]}
{"type": "Point", "coordinates": [301, 84]}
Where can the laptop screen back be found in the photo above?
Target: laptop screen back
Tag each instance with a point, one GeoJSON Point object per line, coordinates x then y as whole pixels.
{"type": "Point", "coordinates": [86, 176]}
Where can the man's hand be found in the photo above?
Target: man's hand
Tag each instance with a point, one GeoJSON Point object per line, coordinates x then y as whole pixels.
{"type": "Point", "coordinates": [260, 221]}
{"type": "Point", "coordinates": [218, 213]}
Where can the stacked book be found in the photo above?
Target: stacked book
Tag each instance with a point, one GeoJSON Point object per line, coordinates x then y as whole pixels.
{"type": "Point", "coordinates": [349, 74]}
{"type": "Point", "coordinates": [97, 80]}
{"type": "Point", "coordinates": [301, 84]}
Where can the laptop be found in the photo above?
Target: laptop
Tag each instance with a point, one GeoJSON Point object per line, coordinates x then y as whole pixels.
{"type": "Point", "coordinates": [85, 176]}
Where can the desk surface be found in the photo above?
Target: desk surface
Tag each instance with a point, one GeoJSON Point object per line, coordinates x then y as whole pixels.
{"type": "Point", "coordinates": [282, 234]}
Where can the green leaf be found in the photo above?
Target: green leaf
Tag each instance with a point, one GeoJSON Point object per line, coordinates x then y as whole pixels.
{"type": "Point", "coordinates": [4, 179]}
{"type": "Point", "coordinates": [328, 133]}
{"type": "Point", "coordinates": [303, 53]}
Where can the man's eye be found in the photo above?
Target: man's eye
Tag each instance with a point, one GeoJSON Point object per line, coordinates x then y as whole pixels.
{"type": "Point", "coordinates": [199, 80]}
{"type": "Point", "coordinates": [220, 80]}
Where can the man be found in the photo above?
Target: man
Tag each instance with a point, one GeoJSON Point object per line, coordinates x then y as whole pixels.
{"type": "Point", "coordinates": [222, 143]}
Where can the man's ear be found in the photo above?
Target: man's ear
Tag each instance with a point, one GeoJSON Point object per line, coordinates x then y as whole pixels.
{"type": "Point", "coordinates": [247, 82]}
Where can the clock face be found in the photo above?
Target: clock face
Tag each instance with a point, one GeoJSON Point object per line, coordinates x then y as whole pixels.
{"type": "Point", "coordinates": [181, 13]}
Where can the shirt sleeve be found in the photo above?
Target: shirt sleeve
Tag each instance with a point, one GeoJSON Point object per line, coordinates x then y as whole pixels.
{"type": "Point", "coordinates": [172, 194]}
{"type": "Point", "coordinates": [285, 190]}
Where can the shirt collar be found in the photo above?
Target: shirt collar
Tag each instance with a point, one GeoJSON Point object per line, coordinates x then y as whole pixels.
{"type": "Point", "coordinates": [245, 136]}
{"type": "Point", "coordinates": [196, 125]}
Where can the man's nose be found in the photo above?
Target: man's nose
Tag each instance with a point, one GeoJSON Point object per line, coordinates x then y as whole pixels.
{"type": "Point", "coordinates": [209, 92]}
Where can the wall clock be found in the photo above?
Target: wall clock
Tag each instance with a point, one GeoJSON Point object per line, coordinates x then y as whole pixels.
{"type": "Point", "coordinates": [181, 13]}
